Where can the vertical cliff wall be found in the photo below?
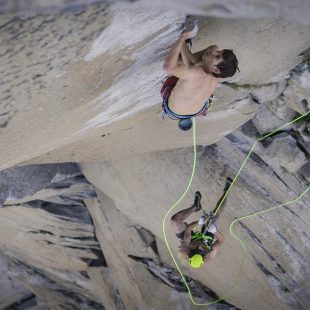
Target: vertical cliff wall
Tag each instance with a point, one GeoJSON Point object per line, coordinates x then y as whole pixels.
{"type": "Point", "coordinates": [80, 84]}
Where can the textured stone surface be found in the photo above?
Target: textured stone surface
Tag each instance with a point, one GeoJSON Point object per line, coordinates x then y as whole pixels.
{"type": "Point", "coordinates": [276, 265]}
{"type": "Point", "coordinates": [19, 182]}
{"type": "Point", "coordinates": [80, 83]}
{"type": "Point", "coordinates": [50, 293]}
{"type": "Point", "coordinates": [88, 97]}
{"type": "Point", "coordinates": [269, 92]}
{"type": "Point", "coordinates": [48, 239]}
{"type": "Point", "coordinates": [298, 90]}
{"type": "Point", "coordinates": [11, 290]}
{"type": "Point", "coordinates": [36, 49]}
{"type": "Point", "coordinates": [283, 152]}
{"type": "Point", "coordinates": [272, 115]}
{"type": "Point", "coordinates": [305, 170]}
{"type": "Point", "coordinates": [236, 9]}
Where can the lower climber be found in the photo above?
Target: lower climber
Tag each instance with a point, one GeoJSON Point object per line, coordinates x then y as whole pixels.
{"type": "Point", "coordinates": [199, 246]}
{"type": "Point", "coordinates": [188, 90]}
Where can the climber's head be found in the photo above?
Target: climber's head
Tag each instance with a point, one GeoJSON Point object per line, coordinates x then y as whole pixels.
{"type": "Point", "coordinates": [196, 260]}
{"type": "Point", "coordinates": [220, 63]}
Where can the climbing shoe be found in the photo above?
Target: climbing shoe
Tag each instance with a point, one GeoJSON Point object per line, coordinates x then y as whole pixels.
{"type": "Point", "coordinates": [197, 201]}
{"type": "Point", "coordinates": [228, 183]}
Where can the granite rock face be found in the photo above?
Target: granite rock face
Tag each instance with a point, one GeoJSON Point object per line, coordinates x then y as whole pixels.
{"type": "Point", "coordinates": [50, 256]}
{"type": "Point", "coordinates": [11, 289]}
{"type": "Point", "coordinates": [276, 264]}
{"type": "Point", "coordinates": [48, 246]}
{"type": "Point", "coordinates": [296, 12]}
{"type": "Point", "coordinates": [89, 169]}
{"type": "Point", "coordinates": [35, 179]}
{"type": "Point", "coordinates": [92, 74]}
{"type": "Point", "coordinates": [283, 152]}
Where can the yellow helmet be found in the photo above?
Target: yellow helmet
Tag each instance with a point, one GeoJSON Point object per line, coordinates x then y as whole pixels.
{"type": "Point", "coordinates": [196, 261]}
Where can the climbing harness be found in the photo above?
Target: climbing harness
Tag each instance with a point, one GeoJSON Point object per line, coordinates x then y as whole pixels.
{"type": "Point", "coordinates": [236, 283]}
{"type": "Point", "coordinates": [206, 235]}
{"type": "Point", "coordinates": [206, 238]}
{"type": "Point", "coordinates": [208, 218]}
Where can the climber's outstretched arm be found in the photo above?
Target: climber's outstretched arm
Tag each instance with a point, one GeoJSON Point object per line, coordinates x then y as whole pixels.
{"type": "Point", "coordinates": [171, 60]}
{"type": "Point", "coordinates": [172, 65]}
{"type": "Point", "coordinates": [191, 58]}
{"type": "Point", "coordinates": [187, 56]}
{"type": "Point", "coordinates": [198, 55]}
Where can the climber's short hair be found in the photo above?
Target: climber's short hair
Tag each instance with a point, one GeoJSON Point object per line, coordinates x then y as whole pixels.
{"type": "Point", "coordinates": [228, 66]}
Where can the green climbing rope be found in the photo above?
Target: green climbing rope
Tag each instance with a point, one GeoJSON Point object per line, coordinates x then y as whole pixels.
{"type": "Point", "coordinates": [219, 206]}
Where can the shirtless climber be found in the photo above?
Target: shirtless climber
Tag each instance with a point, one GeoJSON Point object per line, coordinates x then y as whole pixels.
{"type": "Point", "coordinates": [188, 90]}
{"type": "Point", "coordinates": [203, 245]}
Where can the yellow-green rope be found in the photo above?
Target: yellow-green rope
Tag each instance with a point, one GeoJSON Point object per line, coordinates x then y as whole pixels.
{"type": "Point", "coordinates": [234, 221]}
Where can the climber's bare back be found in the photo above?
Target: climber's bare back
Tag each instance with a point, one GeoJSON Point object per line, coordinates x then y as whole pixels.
{"type": "Point", "coordinates": [192, 91]}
